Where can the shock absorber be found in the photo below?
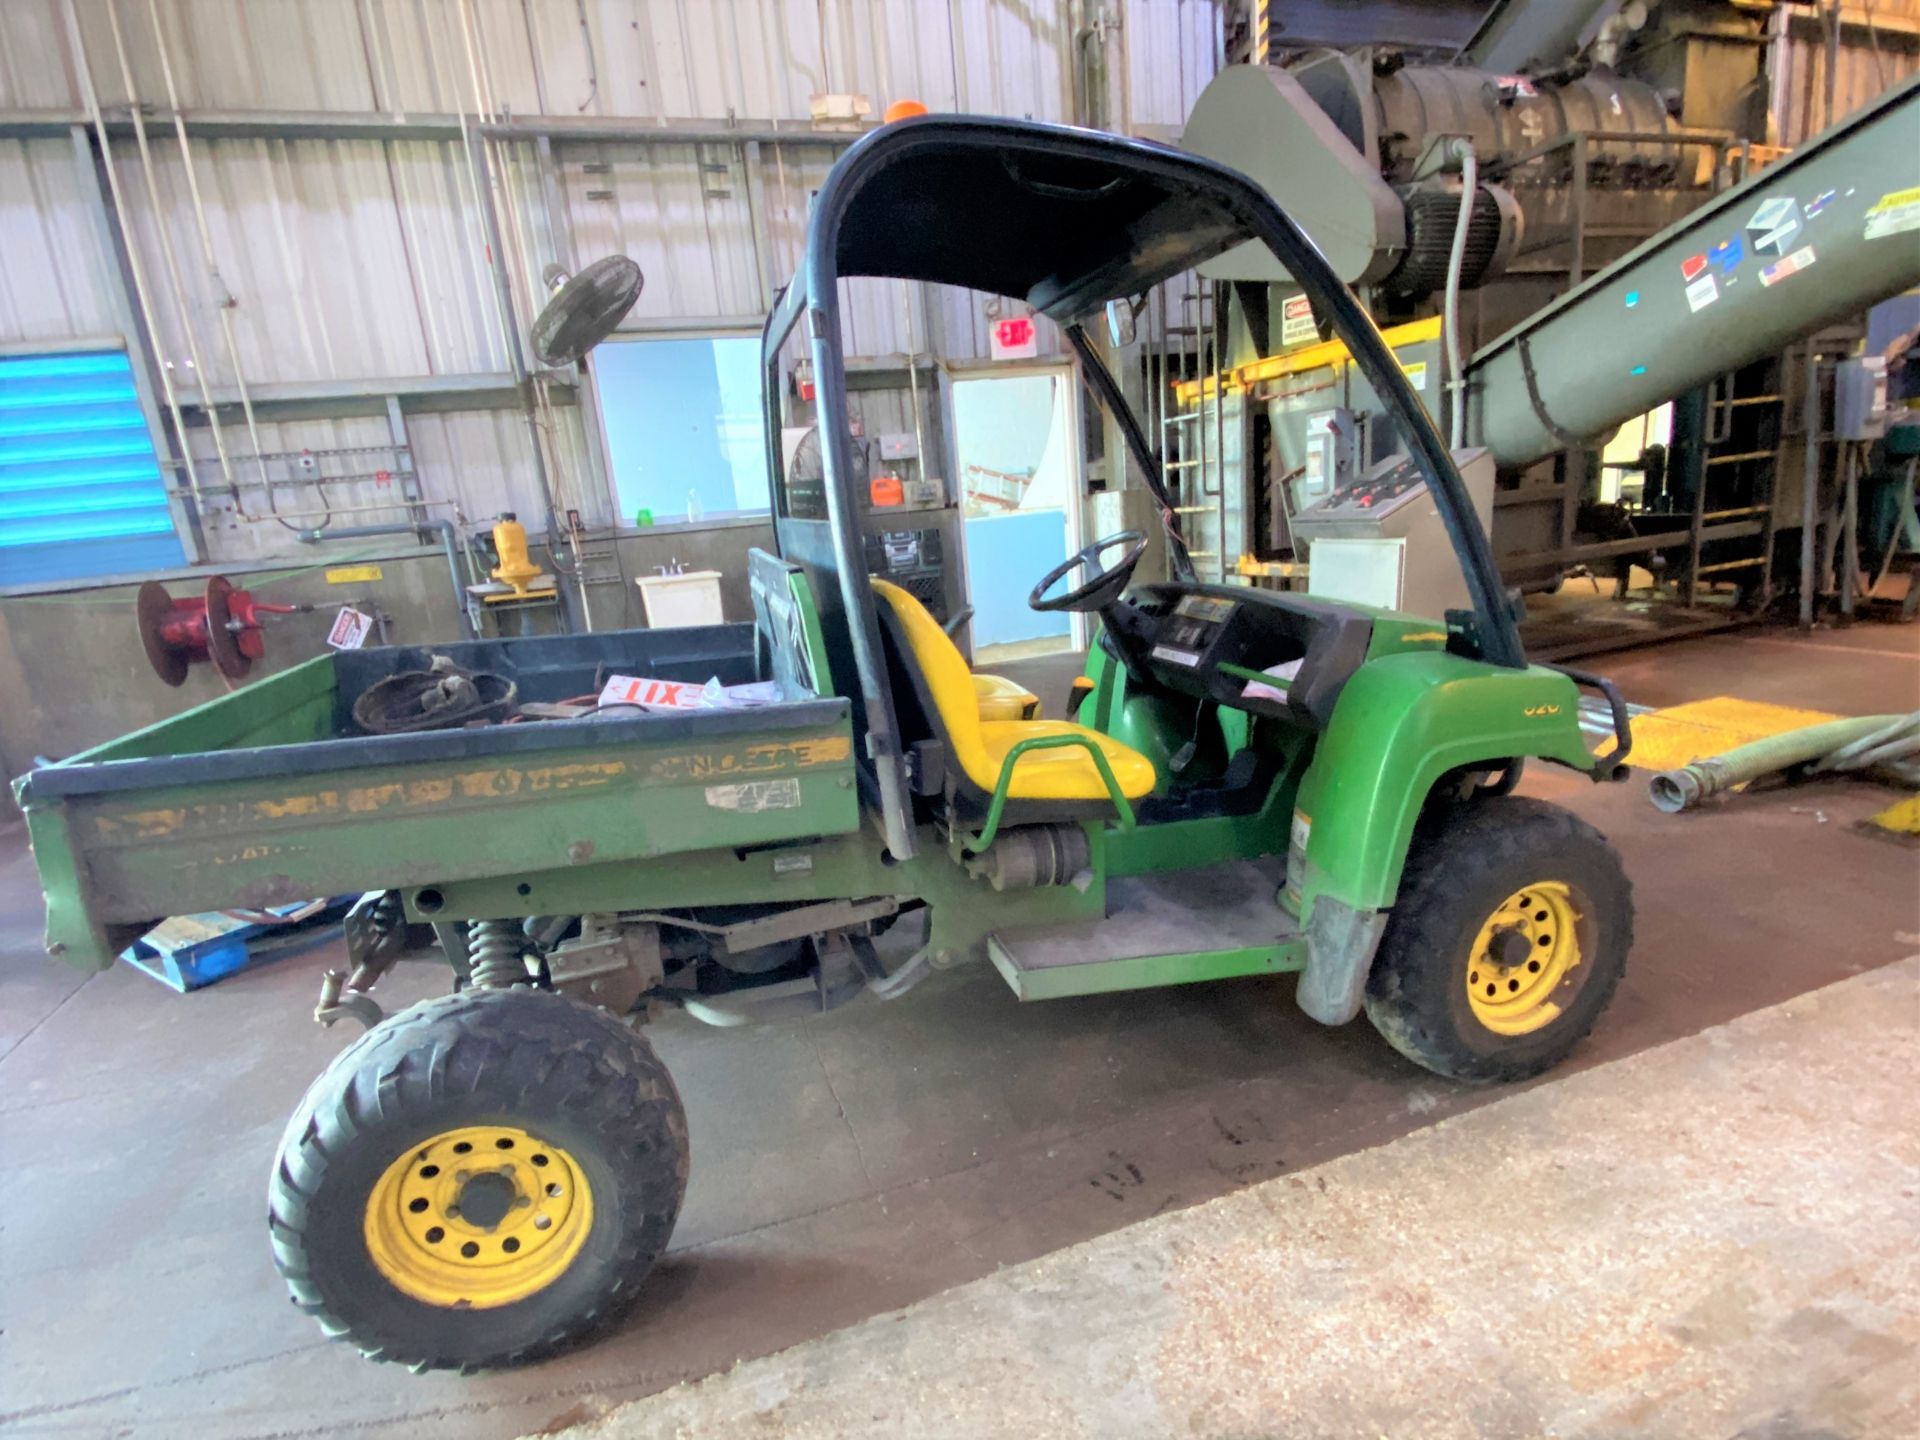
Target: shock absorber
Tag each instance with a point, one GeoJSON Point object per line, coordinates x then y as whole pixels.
{"type": "Point", "coordinates": [493, 952]}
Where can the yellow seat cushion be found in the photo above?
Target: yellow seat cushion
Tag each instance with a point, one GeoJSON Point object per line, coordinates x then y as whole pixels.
{"type": "Point", "coordinates": [979, 748]}
{"type": "Point", "coordinates": [1064, 772]}
{"type": "Point", "coordinates": [1003, 699]}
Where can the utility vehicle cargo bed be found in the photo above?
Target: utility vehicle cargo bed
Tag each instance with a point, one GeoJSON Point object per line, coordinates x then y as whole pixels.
{"type": "Point", "coordinates": [270, 794]}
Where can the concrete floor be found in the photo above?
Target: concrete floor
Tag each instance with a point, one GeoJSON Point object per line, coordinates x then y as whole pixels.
{"type": "Point", "coordinates": [845, 1167]}
{"type": "Point", "coordinates": [1740, 1259]}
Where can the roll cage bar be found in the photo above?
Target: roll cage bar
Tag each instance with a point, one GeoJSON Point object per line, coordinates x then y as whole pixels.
{"type": "Point", "coordinates": [1064, 219]}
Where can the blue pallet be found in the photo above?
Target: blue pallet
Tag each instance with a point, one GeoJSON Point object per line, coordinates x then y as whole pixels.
{"type": "Point", "coordinates": [191, 951]}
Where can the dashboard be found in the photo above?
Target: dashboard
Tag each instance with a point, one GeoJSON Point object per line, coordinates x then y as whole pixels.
{"type": "Point", "coordinates": [1221, 643]}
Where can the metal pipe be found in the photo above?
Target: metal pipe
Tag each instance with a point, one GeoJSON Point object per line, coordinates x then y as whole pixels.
{"type": "Point", "coordinates": [384, 507]}
{"type": "Point", "coordinates": [483, 162]}
{"type": "Point", "coordinates": [1832, 77]}
{"type": "Point", "coordinates": [1700, 402]}
{"type": "Point", "coordinates": [141, 295]}
{"type": "Point", "coordinates": [1849, 528]}
{"type": "Point", "coordinates": [166, 254]}
{"type": "Point", "coordinates": [223, 300]}
{"type": "Point", "coordinates": [913, 377]}
{"type": "Point", "coordinates": [1216, 340]}
{"type": "Point", "coordinates": [1810, 495]}
{"type": "Point", "coordinates": [1456, 262]}
{"type": "Point", "coordinates": [1538, 384]}
{"type": "Point", "coordinates": [449, 541]}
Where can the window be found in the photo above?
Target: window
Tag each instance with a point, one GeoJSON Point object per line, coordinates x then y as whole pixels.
{"type": "Point", "coordinates": [683, 425]}
{"type": "Point", "coordinates": [80, 490]}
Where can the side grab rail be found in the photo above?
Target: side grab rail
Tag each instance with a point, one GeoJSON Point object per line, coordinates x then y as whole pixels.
{"type": "Point", "coordinates": [1047, 742]}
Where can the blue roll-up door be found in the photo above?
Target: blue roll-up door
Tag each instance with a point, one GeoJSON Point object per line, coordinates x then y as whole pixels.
{"type": "Point", "coordinates": [80, 489]}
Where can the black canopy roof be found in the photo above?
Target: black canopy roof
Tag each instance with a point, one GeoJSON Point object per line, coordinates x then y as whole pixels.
{"type": "Point", "coordinates": [1063, 219]}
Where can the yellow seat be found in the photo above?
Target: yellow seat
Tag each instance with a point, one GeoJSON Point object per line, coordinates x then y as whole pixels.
{"type": "Point", "coordinates": [1002, 699]}
{"type": "Point", "coordinates": [978, 748]}
{"type": "Point", "coordinates": [1066, 772]}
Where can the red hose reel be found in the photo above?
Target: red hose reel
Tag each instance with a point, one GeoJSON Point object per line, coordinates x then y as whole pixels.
{"type": "Point", "coordinates": [222, 626]}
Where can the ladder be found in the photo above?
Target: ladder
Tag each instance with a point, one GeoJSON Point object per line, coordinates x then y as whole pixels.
{"type": "Point", "coordinates": [1199, 434]}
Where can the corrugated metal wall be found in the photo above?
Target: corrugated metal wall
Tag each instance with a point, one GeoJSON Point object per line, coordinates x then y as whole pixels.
{"type": "Point", "coordinates": [1879, 46]}
{"type": "Point", "coordinates": [361, 260]}
{"type": "Point", "coordinates": [56, 280]}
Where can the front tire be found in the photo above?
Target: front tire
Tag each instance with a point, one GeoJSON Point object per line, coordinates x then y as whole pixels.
{"type": "Point", "coordinates": [1507, 942]}
{"type": "Point", "coordinates": [479, 1181]}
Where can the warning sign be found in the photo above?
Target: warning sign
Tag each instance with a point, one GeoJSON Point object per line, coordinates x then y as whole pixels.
{"type": "Point", "coordinates": [1894, 213]}
{"type": "Point", "coordinates": [350, 629]}
{"type": "Point", "coordinates": [1296, 321]}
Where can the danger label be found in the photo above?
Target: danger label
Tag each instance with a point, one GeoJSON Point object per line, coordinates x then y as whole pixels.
{"type": "Point", "coordinates": [1296, 321]}
{"type": "Point", "coordinates": [1893, 214]}
{"type": "Point", "coordinates": [350, 629]}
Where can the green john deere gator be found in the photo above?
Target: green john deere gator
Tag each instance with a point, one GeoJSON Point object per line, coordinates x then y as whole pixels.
{"type": "Point", "coordinates": [1254, 782]}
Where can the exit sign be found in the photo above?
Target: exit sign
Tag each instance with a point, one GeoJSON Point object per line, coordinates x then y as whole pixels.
{"type": "Point", "coordinates": [1014, 338]}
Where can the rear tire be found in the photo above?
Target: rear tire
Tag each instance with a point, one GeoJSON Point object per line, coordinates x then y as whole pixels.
{"type": "Point", "coordinates": [479, 1181]}
{"type": "Point", "coordinates": [1467, 981]}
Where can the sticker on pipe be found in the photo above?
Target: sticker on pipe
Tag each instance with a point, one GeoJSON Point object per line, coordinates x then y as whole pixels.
{"type": "Point", "coordinates": [1702, 293]}
{"type": "Point", "coordinates": [1894, 213]}
{"type": "Point", "coordinates": [1801, 259]}
{"type": "Point", "coordinates": [1774, 225]}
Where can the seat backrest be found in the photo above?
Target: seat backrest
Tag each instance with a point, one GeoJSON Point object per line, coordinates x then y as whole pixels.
{"type": "Point", "coordinates": [787, 626]}
{"type": "Point", "coordinates": [945, 682]}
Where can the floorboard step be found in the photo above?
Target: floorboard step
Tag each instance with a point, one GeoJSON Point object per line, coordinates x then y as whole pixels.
{"type": "Point", "coordinates": [1167, 929]}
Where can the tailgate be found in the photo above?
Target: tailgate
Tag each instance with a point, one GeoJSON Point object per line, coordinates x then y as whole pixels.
{"type": "Point", "coordinates": [120, 843]}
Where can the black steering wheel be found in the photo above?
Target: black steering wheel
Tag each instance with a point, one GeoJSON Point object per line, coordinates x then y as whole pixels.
{"type": "Point", "coordinates": [1103, 585]}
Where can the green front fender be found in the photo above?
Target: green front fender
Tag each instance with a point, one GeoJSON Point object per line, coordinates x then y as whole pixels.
{"type": "Point", "coordinates": [1401, 723]}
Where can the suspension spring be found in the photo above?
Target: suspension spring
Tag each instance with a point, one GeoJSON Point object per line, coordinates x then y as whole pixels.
{"type": "Point", "coordinates": [493, 952]}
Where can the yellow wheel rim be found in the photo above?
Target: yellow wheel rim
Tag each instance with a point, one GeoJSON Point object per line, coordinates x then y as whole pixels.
{"type": "Point", "coordinates": [478, 1217]}
{"type": "Point", "coordinates": [1522, 959]}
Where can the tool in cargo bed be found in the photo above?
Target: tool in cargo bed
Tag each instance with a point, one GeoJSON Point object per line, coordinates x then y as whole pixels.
{"type": "Point", "coordinates": [485, 1177]}
{"type": "Point", "coordinates": [441, 697]}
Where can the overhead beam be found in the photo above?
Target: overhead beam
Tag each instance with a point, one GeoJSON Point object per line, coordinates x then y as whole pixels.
{"type": "Point", "coordinates": [415, 394]}
{"type": "Point", "coordinates": [355, 125]}
{"type": "Point", "coordinates": [363, 125]}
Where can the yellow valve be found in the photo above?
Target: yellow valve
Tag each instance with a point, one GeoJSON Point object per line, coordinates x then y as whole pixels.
{"type": "Point", "coordinates": [516, 568]}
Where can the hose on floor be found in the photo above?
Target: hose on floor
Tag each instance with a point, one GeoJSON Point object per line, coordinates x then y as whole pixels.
{"type": "Point", "coordinates": [1885, 744]}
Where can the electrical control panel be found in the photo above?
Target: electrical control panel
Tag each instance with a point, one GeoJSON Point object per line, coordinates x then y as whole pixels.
{"type": "Point", "coordinates": [1328, 463]}
{"type": "Point", "coordinates": [1860, 398]}
{"type": "Point", "coordinates": [1390, 548]}
{"type": "Point", "coordinates": [1383, 489]}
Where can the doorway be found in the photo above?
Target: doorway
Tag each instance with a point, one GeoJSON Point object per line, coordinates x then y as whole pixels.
{"type": "Point", "coordinates": [1017, 450]}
